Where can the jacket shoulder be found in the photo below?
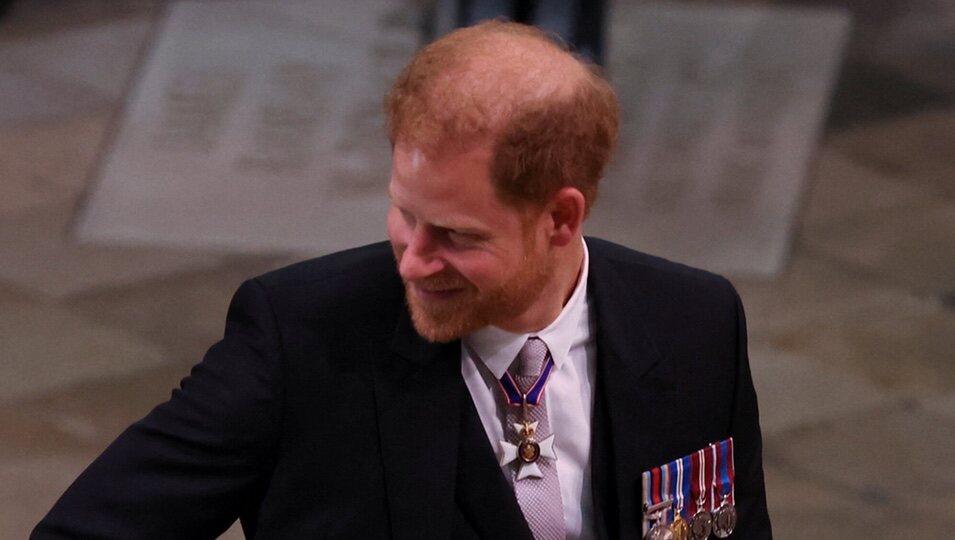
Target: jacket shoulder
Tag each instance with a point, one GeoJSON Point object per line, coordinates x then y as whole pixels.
{"type": "Point", "coordinates": [654, 269]}
{"type": "Point", "coordinates": [370, 261]}
{"type": "Point", "coordinates": [352, 284]}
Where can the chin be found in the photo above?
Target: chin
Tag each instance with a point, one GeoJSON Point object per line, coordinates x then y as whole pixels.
{"type": "Point", "coordinates": [446, 322]}
{"type": "Point", "coordinates": [440, 331]}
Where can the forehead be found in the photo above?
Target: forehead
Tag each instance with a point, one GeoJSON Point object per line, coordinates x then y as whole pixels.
{"type": "Point", "coordinates": [417, 172]}
{"type": "Point", "coordinates": [443, 186]}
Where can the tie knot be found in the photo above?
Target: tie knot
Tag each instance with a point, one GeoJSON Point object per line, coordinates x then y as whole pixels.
{"type": "Point", "coordinates": [530, 360]}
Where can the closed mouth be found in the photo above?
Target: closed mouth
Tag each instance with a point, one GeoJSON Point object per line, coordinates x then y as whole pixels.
{"type": "Point", "coordinates": [437, 294]}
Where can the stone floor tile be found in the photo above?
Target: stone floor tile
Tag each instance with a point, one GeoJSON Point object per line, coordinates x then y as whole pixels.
{"type": "Point", "coordinates": [48, 163]}
{"type": "Point", "coordinates": [38, 99]}
{"type": "Point", "coordinates": [813, 288]}
{"type": "Point", "coordinates": [47, 347]}
{"type": "Point", "coordinates": [913, 247]}
{"type": "Point", "coordinates": [40, 256]}
{"type": "Point", "coordinates": [897, 458]}
{"type": "Point", "coordinates": [796, 391]}
{"type": "Point", "coordinates": [841, 189]}
{"type": "Point", "coordinates": [799, 523]}
{"type": "Point", "coordinates": [29, 432]}
{"type": "Point", "coordinates": [87, 414]}
{"type": "Point", "coordinates": [57, 75]}
{"type": "Point", "coordinates": [49, 439]}
{"type": "Point", "coordinates": [943, 405]}
{"type": "Point", "coordinates": [184, 313]}
{"type": "Point", "coordinates": [859, 325]}
{"type": "Point", "coordinates": [30, 485]}
{"type": "Point", "coordinates": [806, 504]}
{"type": "Point", "coordinates": [917, 149]}
{"type": "Point", "coordinates": [803, 509]}
{"type": "Point", "coordinates": [918, 522]}
{"type": "Point", "coordinates": [66, 429]}
{"type": "Point", "coordinates": [787, 487]}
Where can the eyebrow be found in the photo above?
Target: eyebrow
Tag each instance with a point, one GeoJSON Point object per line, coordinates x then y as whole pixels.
{"type": "Point", "coordinates": [464, 228]}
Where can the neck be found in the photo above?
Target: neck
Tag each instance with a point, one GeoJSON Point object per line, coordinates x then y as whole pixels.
{"type": "Point", "coordinates": [567, 264]}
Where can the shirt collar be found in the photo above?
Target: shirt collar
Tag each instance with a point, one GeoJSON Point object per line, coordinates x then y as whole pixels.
{"type": "Point", "coordinates": [498, 348]}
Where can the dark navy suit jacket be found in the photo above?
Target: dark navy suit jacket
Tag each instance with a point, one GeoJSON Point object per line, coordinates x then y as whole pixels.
{"type": "Point", "coordinates": [323, 414]}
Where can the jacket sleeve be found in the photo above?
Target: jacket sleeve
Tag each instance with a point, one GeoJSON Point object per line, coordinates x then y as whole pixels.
{"type": "Point", "coordinates": [198, 461]}
{"type": "Point", "coordinates": [753, 518]}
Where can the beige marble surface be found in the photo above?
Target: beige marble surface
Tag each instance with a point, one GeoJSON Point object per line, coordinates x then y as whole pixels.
{"type": "Point", "coordinates": [911, 246]}
{"type": "Point", "coordinates": [806, 391]}
{"type": "Point", "coordinates": [40, 255]}
{"type": "Point", "coordinates": [45, 348]}
{"type": "Point", "coordinates": [46, 163]}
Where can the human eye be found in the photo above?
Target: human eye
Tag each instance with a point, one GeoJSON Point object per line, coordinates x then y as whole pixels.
{"type": "Point", "coordinates": [463, 238]}
{"type": "Point", "coordinates": [407, 216]}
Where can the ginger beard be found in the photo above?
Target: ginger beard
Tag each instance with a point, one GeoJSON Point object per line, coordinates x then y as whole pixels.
{"type": "Point", "coordinates": [471, 308]}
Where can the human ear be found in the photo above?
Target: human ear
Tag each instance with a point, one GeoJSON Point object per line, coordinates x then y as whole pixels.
{"type": "Point", "coordinates": [566, 211]}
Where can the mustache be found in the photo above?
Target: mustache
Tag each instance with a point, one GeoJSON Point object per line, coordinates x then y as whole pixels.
{"type": "Point", "coordinates": [445, 280]}
{"type": "Point", "coordinates": [448, 279]}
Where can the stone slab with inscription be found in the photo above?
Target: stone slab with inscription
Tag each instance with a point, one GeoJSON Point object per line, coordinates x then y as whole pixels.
{"type": "Point", "coordinates": [256, 126]}
{"type": "Point", "coordinates": [721, 107]}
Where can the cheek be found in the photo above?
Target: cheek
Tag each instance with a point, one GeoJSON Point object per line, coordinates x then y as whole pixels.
{"type": "Point", "coordinates": [483, 272]}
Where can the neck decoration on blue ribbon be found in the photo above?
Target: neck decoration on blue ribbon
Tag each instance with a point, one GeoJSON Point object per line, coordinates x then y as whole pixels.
{"type": "Point", "coordinates": [528, 450]}
{"type": "Point", "coordinates": [515, 395]}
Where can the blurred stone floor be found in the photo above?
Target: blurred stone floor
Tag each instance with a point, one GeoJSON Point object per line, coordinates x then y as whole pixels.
{"type": "Point", "coordinates": [852, 347]}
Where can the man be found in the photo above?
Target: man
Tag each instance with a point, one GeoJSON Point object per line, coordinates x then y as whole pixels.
{"type": "Point", "coordinates": [353, 397]}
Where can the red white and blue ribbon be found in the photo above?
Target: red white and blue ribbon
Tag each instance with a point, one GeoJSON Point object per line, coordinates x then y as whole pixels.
{"type": "Point", "coordinates": [673, 487]}
{"type": "Point", "coordinates": [514, 394]}
{"type": "Point", "coordinates": [654, 493]}
{"type": "Point", "coordinates": [714, 477]}
{"type": "Point", "coordinates": [696, 482]}
{"type": "Point", "coordinates": [725, 480]}
{"type": "Point", "coordinates": [684, 481]}
{"type": "Point", "coordinates": [699, 470]}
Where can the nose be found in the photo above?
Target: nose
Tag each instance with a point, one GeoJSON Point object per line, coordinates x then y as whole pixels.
{"type": "Point", "coordinates": [421, 257]}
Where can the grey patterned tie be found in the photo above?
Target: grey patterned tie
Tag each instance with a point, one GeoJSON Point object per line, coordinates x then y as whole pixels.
{"type": "Point", "coordinates": [539, 497]}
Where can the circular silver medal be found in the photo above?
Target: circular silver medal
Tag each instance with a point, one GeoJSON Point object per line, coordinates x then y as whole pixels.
{"type": "Point", "coordinates": [660, 531]}
{"type": "Point", "coordinates": [701, 525]}
{"type": "Point", "coordinates": [724, 520]}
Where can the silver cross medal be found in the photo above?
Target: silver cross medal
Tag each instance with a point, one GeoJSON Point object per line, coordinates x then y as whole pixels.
{"type": "Point", "coordinates": [527, 450]}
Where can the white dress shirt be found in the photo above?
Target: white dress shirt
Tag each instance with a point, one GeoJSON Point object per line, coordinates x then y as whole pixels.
{"type": "Point", "coordinates": [487, 353]}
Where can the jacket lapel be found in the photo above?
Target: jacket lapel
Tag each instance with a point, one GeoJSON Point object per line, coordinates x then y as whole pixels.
{"type": "Point", "coordinates": [418, 401]}
{"type": "Point", "coordinates": [433, 443]}
{"type": "Point", "coordinates": [626, 359]}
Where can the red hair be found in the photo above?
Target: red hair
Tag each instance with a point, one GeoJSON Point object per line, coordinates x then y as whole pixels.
{"type": "Point", "coordinates": [550, 118]}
